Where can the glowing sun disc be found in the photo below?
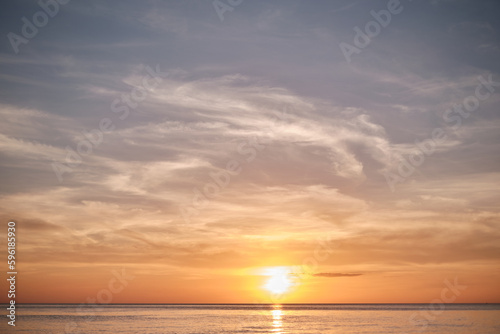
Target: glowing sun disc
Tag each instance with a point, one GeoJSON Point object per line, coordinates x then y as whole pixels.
{"type": "Point", "coordinates": [279, 281]}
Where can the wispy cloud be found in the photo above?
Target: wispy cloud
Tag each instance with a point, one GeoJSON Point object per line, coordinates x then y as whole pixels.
{"type": "Point", "coordinates": [336, 275]}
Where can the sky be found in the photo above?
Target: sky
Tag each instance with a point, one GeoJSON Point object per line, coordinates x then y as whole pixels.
{"type": "Point", "coordinates": [191, 151]}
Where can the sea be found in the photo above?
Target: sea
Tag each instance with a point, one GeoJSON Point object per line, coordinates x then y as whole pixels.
{"type": "Point", "coordinates": [255, 318]}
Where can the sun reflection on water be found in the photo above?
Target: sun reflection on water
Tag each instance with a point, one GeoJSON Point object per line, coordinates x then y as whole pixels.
{"type": "Point", "coordinates": [277, 314]}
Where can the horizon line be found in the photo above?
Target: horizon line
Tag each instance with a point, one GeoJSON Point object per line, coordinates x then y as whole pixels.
{"type": "Point", "coordinates": [104, 304]}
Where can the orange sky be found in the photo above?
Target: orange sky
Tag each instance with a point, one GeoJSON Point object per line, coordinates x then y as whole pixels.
{"type": "Point", "coordinates": [374, 267]}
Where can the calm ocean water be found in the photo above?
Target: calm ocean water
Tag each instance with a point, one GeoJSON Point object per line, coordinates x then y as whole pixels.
{"type": "Point", "coordinates": [277, 319]}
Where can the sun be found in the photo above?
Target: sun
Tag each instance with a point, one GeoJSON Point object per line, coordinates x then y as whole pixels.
{"type": "Point", "coordinates": [279, 281]}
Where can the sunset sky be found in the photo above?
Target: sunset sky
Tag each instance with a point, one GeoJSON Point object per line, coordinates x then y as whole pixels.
{"type": "Point", "coordinates": [202, 150]}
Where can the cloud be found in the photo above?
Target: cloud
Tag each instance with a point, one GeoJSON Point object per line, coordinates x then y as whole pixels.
{"type": "Point", "coordinates": [336, 275]}
{"type": "Point", "coordinates": [28, 225]}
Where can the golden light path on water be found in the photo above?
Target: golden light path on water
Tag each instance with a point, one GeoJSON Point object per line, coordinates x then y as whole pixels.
{"type": "Point", "coordinates": [277, 314]}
